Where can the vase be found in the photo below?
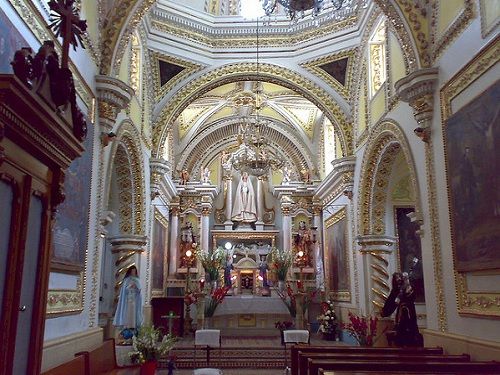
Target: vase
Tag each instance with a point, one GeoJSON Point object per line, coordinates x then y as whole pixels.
{"type": "Point", "coordinates": [149, 368]}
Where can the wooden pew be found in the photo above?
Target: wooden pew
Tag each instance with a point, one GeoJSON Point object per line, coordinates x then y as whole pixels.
{"type": "Point", "coordinates": [323, 372]}
{"type": "Point", "coordinates": [102, 360]}
{"type": "Point", "coordinates": [353, 349]}
{"type": "Point", "coordinates": [74, 367]}
{"type": "Point", "coordinates": [421, 365]}
{"type": "Point", "coordinates": [305, 356]}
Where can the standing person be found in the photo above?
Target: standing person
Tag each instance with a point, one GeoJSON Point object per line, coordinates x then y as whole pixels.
{"type": "Point", "coordinates": [129, 310]}
{"type": "Point", "coordinates": [245, 209]}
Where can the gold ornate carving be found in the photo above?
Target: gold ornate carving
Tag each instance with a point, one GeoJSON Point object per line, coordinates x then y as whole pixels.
{"type": "Point", "coordinates": [66, 301]}
{"type": "Point", "coordinates": [477, 303]}
{"type": "Point", "coordinates": [314, 66]}
{"type": "Point", "coordinates": [248, 71]}
{"type": "Point", "coordinates": [487, 29]}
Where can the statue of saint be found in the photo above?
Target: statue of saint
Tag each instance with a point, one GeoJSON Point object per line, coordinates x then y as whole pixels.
{"type": "Point", "coordinates": [263, 267]}
{"type": "Point", "coordinates": [184, 175]}
{"type": "Point", "coordinates": [129, 309]}
{"type": "Point", "coordinates": [188, 242]}
{"type": "Point", "coordinates": [227, 272]}
{"type": "Point", "coordinates": [402, 299]}
{"type": "Point", "coordinates": [286, 175]}
{"type": "Point", "coordinates": [205, 176]}
{"type": "Point", "coordinates": [244, 209]}
{"type": "Point", "coordinates": [303, 240]}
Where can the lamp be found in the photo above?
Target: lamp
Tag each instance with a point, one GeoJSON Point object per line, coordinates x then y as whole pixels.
{"type": "Point", "coordinates": [297, 8]}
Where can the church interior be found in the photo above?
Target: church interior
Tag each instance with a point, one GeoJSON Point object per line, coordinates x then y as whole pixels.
{"type": "Point", "coordinates": [260, 164]}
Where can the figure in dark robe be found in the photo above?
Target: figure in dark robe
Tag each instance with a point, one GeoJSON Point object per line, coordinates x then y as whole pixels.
{"type": "Point", "coordinates": [402, 299]}
{"type": "Point", "coordinates": [227, 273]}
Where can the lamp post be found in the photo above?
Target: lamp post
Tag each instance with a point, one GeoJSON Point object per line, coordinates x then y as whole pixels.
{"type": "Point", "coordinates": [187, 299]}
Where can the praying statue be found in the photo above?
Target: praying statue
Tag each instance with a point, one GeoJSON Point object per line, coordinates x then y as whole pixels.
{"type": "Point", "coordinates": [129, 309]}
{"type": "Point", "coordinates": [244, 209]}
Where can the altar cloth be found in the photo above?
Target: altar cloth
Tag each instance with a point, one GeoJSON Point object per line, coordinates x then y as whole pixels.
{"type": "Point", "coordinates": [296, 335]}
{"type": "Point", "coordinates": [251, 305]}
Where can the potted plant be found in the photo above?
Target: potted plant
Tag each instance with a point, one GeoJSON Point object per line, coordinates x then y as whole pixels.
{"type": "Point", "coordinates": [328, 321]}
{"type": "Point", "coordinates": [148, 346]}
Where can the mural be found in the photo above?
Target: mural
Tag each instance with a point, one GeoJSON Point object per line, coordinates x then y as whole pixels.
{"type": "Point", "coordinates": [336, 251]}
{"type": "Point", "coordinates": [71, 226]}
{"type": "Point", "coordinates": [158, 256]}
{"type": "Point", "coordinates": [472, 139]}
{"type": "Point", "coordinates": [410, 250]}
{"type": "Point", "coordinates": [10, 41]}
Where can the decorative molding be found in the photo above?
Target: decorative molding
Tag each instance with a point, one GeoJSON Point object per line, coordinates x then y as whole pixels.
{"type": "Point", "coordinates": [62, 302]}
{"type": "Point", "coordinates": [486, 30]}
{"type": "Point", "coordinates": [113, 96]}
{"type": "Point", "coordinates": [470, 303]}
{"type": "Point", "coordinates": [340, 180]}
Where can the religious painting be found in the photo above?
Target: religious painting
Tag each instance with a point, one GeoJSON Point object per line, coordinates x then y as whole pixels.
{"type": "Point", "coordinates": [410, 250]}
{"type": "Point", "coordinates": [472, 139]}
{"type": "Point", "coordinates": [10, 41]}
{"type": "Point", "coordinates": [70, 233]}
{"type": "Point", "coordinates": [160, 252]}
{"type": "Point", "coordinates": [336, 254]}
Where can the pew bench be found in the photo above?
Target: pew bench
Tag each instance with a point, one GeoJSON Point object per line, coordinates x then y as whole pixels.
{"type": "Point", "coordinates": [435, 367]}
{"type": "Point", "coordinates": [304, 357]}
{"type": "Point", "coordinates": [76, 366]}
{"type": "Point", "coordinates": [354, 349]}
{"type": "Point", "coordinates": [102, 360]}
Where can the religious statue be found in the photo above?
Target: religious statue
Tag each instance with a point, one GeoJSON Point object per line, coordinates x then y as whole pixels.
{"type": "Point", "coordinates": [188, 242]}
{"type": "Point", "coordinates": [205, 176]}
{"type": "Point", "coordinates": [227, 272]}
{"type": "Point", "coordinates": [402, 299]}
{"type": "Point", "coordinates": [244, 209]}
{"type": "Point", "coordinates": [184, 175]}
{"type": "Point", "coordinates": [306, 175]}
{"type": "Point", "coordinates": [286, 175]}
{"type": "Point", "coordinates": [263, 267]}
{"type": "Point", "coordinates": [129, 309]}
{"type": "Point", "coordinates": [303, 241]}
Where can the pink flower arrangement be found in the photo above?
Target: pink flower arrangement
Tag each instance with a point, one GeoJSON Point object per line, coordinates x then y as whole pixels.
{"type": "Point", "coordinates": [362, 328]}
{"type": "Point", "coordinates": [215, 298]}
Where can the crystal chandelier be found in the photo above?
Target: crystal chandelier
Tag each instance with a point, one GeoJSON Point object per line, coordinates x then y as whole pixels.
{"type": "Point", "coordinates": [297, 8]}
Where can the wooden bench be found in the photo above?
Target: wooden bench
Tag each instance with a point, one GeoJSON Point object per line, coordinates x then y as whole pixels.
{"type": "Point", "coordinates": [353, 349]}
{"type": "Point", "coordinates": [304, 358]}
{"type": "Point", "coordinates": [102, 360]}
{"type": "Point", "coordinates": [403, 366]}
{"type": "Point", "coordinates": [323, 372]}
{"type": "Point", "coordinates": [74, 367]}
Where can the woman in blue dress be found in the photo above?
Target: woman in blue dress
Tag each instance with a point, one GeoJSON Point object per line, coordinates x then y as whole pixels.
{"type": "Point", "coordinates": [129, 310]}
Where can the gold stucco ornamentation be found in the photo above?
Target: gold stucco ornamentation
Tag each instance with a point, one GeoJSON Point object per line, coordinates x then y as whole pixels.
{"type": "Point", "coordinates": [244, 72]}
{"type": "Point", "coordinates": [470, 302]}
{"type": "Point", "coordinates": [66, 301]}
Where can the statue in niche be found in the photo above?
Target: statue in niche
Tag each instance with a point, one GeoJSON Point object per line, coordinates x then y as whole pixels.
{"type": "Point", "coordinates": [286, 175]}
{"type": "Point", "coordinates": [188, 242]}
{"type": "Point", "coordinates": [244, 209]}
{"type": "Point", "coordinates": [205, 176]}
{"type": "Point", "coordinates": [303, 241]}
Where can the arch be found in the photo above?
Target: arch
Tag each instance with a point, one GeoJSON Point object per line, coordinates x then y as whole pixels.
{"type": "Point", "coordinates": [248, 72]}
{"type": "Point", "coordinates": [385, 142]}
{"type": "Point", "coordinates": [127, 160]}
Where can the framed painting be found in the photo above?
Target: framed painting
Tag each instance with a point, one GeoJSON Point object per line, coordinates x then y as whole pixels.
{"type": "Point", "coordinates": [159, 256]}
{"type": "Point", "coordinates": [472, 139]}
{"type": "Point", "coordinates": [70, 233]}
{"type": "Point", "coordinates": [409, 249]}
{"type": "Point", "coordinates": [337, 257]}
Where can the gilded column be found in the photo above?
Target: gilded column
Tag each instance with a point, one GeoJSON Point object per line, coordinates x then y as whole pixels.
{"type": "Point", "coordinates": [113, 96]}
{"type": "Point", "coordinates": [127, 249]}
{"type": "Point", "coordinates": [417, 89]}
{"type": "Point", "coordinates": [376, 250]}
{"type": "Point", "coordinates": [174, 234]}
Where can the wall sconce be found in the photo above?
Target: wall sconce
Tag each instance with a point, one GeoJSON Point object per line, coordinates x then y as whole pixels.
{"type": "Point", "coordinates": [107, 137]}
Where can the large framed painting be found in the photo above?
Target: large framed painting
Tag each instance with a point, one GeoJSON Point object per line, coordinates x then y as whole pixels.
{"type": "Point", "coordinates": [70, 233]}
{"type": "Point", "coordinates": [472, 139]}
{"type": "Point", "coordinates": [409, 249]}
{"type": "Point", "coordinates": [159, 258]}
{"type": "Point", "coordinates": [337, 257]}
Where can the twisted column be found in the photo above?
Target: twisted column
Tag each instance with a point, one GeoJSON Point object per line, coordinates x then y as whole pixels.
{"type": "Point", "coordinates": [376, 249]}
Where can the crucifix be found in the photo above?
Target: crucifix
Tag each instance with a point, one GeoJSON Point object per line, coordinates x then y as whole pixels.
{"type": "Point", "coordinates": [68, 25]}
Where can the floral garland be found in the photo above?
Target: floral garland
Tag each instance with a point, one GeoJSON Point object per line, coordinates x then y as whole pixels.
{"type": "Point", "coordinates": [328, 319]}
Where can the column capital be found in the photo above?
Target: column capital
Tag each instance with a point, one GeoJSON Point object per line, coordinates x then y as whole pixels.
{"type": "Point", "coordinates": [417, 89]}
{"type": "Point", "coordinates": [376, 243]}
{"type": "Point", "coordinates": [113, 95]}
{"type": "Point", "coordinates": [160, 168]}
{"type": "Point", "coordinates": [128, 242]}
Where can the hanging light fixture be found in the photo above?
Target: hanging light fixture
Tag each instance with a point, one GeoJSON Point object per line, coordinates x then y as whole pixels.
{"type": "Point", "coordinates": [297, 8]}
{"type": "Point", "coordinates": [254, 155]}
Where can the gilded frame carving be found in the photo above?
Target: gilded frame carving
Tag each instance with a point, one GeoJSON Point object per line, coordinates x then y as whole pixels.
{"type": "Point", "coordinates": [470, 302]}
{"type": "Point", "coordinates": [342, 295]}
{"type": "Point", "coordinates": [64, 301]}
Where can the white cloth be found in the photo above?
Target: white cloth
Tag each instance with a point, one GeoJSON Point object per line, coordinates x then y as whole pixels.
{"type": "Point", "coordinates": [207, 371]}
{"type": "Point", "coordinates": [209, 337]}
{"type": "Point", "coordinates": [251, 305]}
{"type": "Point", "coordinates": [296, 335]}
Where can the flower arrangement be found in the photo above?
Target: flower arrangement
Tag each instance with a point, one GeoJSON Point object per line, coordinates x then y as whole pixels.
{"type": "Point", "coordinates": [190, 298]}
{"type": "Point", "coordinates": [214, 300]}
{"type": "Point", "coordinates": [281, 262]}
{"type": "Point", "coordinates": [289, 300]}
{"type": "Point", "coordinates": [147, 345]}
{"type": "Point", "coordinates": [327, 320]}
{"type": "Point", "coordinates": [362, 328]}
{"type": "Point", "coordinates": [211, 261]}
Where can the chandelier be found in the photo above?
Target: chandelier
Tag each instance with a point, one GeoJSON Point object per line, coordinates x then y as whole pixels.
{"type": "Point", "coordinates": [297, 8]}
